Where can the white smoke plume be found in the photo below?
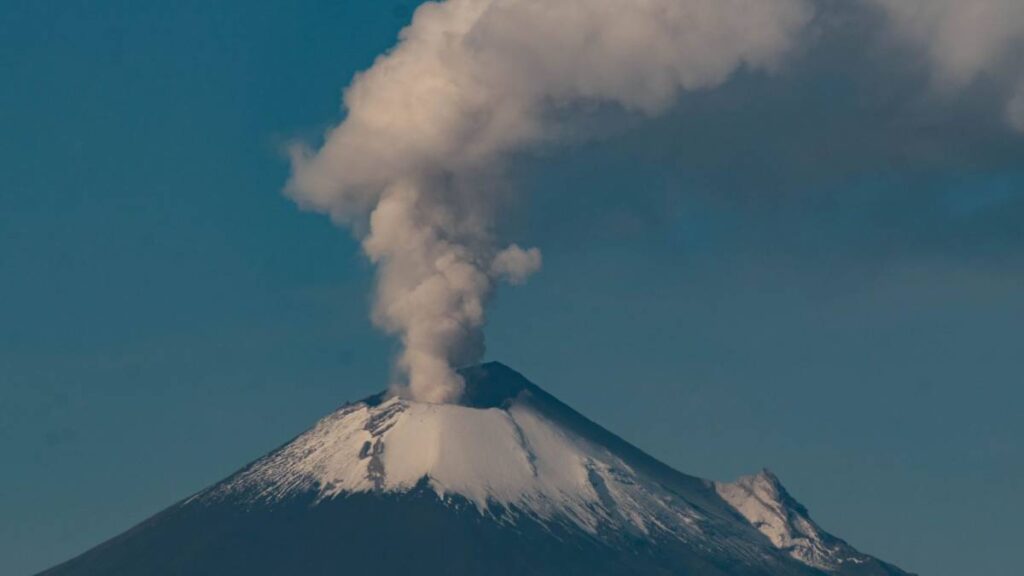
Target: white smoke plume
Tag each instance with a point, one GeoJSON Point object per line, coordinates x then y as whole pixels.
{"type": "Point", "coordinates": [1015, 108]}
{"type": "Point", "coordinates": [415, 167]}
{"type": "Point", "coordinates": [965, 39]}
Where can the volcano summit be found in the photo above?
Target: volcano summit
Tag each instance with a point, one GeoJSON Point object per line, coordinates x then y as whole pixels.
{"type": "Point", "coordinates": [510, 481]}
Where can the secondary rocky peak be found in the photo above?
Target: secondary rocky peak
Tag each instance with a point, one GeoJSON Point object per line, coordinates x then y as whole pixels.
{"type": "Point", "coordinates": [766, 504]}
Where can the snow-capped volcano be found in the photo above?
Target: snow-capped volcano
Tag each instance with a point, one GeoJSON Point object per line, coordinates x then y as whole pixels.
{"type": "Point", "coordinates": [511, 481]}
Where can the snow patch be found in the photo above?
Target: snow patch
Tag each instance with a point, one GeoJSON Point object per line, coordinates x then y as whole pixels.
{"type": "Point", "coordinates": [505, 461]}
{"type": "Point", "coordinates": [514, 452]}
{"type": "Point", "coordinates": [763, 501]}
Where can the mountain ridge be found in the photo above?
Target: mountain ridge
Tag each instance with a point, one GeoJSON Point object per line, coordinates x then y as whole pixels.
{"type": "Point", "coordinates": [508, 471]}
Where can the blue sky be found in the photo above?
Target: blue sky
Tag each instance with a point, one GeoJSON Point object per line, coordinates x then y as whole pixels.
{"type": "Point", "coordinates": [818, 272]}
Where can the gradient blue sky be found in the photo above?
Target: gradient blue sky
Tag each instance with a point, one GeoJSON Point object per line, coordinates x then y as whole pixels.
{"type": "Point", "coordinates": [819, 272]}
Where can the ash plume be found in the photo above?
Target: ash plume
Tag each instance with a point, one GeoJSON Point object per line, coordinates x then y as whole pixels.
{"type": "Point", "coordinates": [964, 41]}
{"type": "Point", "coordinates": [415, 168]}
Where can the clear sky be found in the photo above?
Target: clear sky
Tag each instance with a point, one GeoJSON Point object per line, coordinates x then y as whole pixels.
{"type": "Point", "coordinates": [821, 272]}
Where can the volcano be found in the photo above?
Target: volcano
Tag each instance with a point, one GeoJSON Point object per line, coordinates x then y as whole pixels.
{"type": "Point", "coordinates": [510, 481]}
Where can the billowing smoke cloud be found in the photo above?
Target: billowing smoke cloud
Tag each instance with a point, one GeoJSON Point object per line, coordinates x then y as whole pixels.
{"type": "Point", "coordinates": [415, 167]}
{"type": "Point", "coordinates": [1015, 108]}
{"type": "Point", "coordinates": [965, 39]}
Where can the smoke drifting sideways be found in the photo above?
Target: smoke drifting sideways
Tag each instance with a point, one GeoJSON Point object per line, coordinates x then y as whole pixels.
{"type": "Point", "coordinates": [415, 169]}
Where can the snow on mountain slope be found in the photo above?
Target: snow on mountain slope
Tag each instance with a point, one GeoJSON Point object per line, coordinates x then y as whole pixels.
{"type": "Point", "coordinates": [498, 459]}
{"type": "Point", "coordinates": [763, 501]}
{"type": "Point", "coordinates": [514, 450]}
{"type": "Point", "coordinates": [510, 482]}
